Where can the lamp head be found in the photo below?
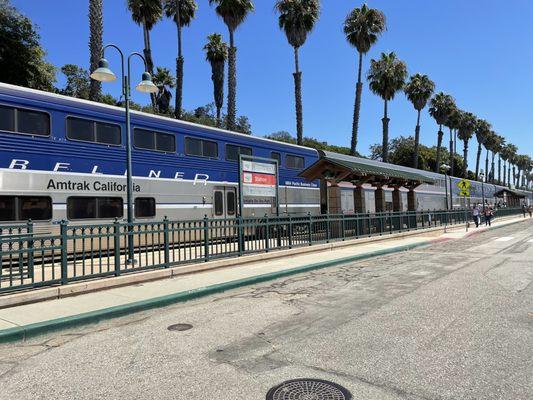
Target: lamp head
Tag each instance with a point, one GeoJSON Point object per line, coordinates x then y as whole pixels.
{"type": "Point", "coordinates": [103, 73]}
{"type": "Point", "coordinates": [146, 85]}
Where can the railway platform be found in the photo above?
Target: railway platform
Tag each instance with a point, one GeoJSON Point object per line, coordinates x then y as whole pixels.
{"type": "Point", "coordinates": [23, 315]}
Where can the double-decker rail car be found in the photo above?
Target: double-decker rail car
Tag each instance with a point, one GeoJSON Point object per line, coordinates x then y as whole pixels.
{"type": "Point", "coordinates": [64, 159]}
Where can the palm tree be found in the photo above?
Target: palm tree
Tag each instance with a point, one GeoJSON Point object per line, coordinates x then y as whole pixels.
{"type": "Point", "coordinates": [497, 149]}
{"type": "Point", "coordinates": [233, 13]}
{"type": "Point", "coordinates": [362, 28]}
{"type": "Point", "coordinates": [442, 106]}
{"type": "Point", "coordinates": [164, 80]}
{"type": "Point", "coordinates": [482, 131]}
{"type": "Point", "coordinates": [147, 13]}
{"type": "Point", "coordinates": [453, 124]}
{"type": "Point", "coordinates": [297, 18]}
{"type": "Point", "coordinates": [418, 91]}
{"type": "Point", "coordinates": [466, 131]}
{"type": "Point", "coordinates": [488, 143]}
{"type": "Point", "coordinates": [182, 12]}
{"type": "Point", "coordinates": [505, 156]}
{"type": "Point", "coordinates": [96, 27]}
{"type": "Point", "coordinates": [217, 53]}
{"type": "Point", "coordinates": [387, 77]}
{"type": "Point", "coordinates": [511, 150]}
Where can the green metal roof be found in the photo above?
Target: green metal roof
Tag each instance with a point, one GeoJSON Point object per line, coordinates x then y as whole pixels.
{"type": "Point", "coordinates": [372, 167]}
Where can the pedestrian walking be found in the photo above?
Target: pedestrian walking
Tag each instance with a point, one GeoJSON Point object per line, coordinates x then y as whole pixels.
{"type": "Point", "coordinates": [524, 209]}
{"type": "Point", "coordinates": [489, 213]}
{"type": "Point", "coordinates": [530, 210]}
{"type": "Point", "coordinates": [476, 215]}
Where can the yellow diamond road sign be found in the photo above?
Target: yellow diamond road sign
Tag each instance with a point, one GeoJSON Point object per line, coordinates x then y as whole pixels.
{"type": "Point", "coordinates": [464, 186]}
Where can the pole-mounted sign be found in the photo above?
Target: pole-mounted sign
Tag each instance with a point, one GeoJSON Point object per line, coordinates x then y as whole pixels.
{"type": "Point", "coordinates": [258, 177]}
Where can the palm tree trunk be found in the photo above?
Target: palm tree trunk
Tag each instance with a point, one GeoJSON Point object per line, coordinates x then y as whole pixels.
{"type": "Point", "coordinates": [232, 83]}
{"type": "Point", "coordinates": [440, 134]}
{"type": "Point", "coordinates": [478, 157]}
{"type": "Point", "coordinates": [179, 71]}
{"type": "Point", "coordinates": [465, 156]}
{"type": "Point", "coordinates": [509, 174]}
{"type": "Point", "coordinates": [417, 140]}
{"type": "Point", "coordinates": [149, 62]}
{"type": "Point", "coordinates": [385, 144]}
{"type": "Point", "coordinates": [357, 107]}
{"type": "Point", "coordinates": [504, 171]}
{"type": "Point", "coordinates": [452, 154]}
{"type": "Point", "coordinates": [219, 112]}
{"type": "Point", "coordinates": [492, 169]}
{"type": "Point", "coordinates": [96, 25]}
{"type": "Point", "coordinates": [499, 169]}
{"type": "Point", "coordinates": [487, 177]}
{"type": "Point", "coordinates": [298, 98]}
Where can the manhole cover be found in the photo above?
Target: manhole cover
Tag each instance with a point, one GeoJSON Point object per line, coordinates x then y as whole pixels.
{"type": "Point", "coordinates": [179, 327]}
{"type": "Point", "coordinates": [308, 389]}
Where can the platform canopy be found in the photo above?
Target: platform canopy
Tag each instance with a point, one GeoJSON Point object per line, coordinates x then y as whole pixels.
{"type": "Point", "coordinates": [337, 168]}
{"type": "Point", "coordinates": [509, 192]}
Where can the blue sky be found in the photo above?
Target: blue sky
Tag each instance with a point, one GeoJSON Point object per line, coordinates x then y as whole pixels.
{"type": "Point", "coordinates": [479, 51]}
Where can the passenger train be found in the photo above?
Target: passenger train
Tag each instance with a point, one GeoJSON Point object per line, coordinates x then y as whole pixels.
{"type": "Point", "coordinates": [64, 159]}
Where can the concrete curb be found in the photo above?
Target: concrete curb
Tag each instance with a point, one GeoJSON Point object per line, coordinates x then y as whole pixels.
{"type": "Point", "coordinates": [26, 331]}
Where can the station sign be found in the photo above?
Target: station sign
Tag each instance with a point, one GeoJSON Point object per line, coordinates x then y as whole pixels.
{"type": "Point", "coordinates": [258, 179]}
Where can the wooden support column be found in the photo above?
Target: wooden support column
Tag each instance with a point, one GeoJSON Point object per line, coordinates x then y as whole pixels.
{"type": "Point", "coordinates": [411, 200]}
{"type": "Point", "coordinates": [359, 200]}
{"type": "Point", "coordinates": [379, 197]}
{"type": "Point", "coordinates": [397, 200]}
{"type": "Point", "coordinates": [334, 199]}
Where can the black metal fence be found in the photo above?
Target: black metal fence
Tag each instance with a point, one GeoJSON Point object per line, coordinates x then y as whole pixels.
{"type": "Point", "coordinates": [79, 252]}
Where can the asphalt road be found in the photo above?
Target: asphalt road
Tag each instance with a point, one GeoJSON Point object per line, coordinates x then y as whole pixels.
{"type": "Point", "coordinates": [449, 321]}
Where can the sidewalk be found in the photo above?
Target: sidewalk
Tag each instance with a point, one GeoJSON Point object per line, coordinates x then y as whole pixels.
{"type": "Point", "coordinates": [22, 321]}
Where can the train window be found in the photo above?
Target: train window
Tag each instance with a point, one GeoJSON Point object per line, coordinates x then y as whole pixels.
{"type": "Point", "coordinates": [20, 120]}
{"type": "Point", "coordinates": [33, 122]}
{"type": "Point", "coordinates": [81, 207]}
{"type": "Point", "coordinates": [150, 140]}
{"type": "Point", "coordinates": [110, 207]}
{"type": "Point", "coordinates": [276, 156]}
{"type": "Point", "coordinates": [165, 142]}
{"type": "Point", "coordinates": [295, 162]}
{"type": "Point", "coordinates": [93, 131]}
{"type": "Point", "coordinates": [35, 208]}
{"type": "Point", "coordinates": [232, 152]}
{"type": "Point", "coordinates": [144, 207]}
{"type": "Point", "coordinates": [202, 148]}
{"type": "Point", "coordinates": [230, 202]}
{"type": "Point", "coordinates": [22, 208]}
{"type": "Point", "coordinates": [107, 133]}
{"type": "Point", "coordinates": [8, 211]}
{"type": "Point", "coordinates": [219, 203]}
{"type": "Point", "coordinates": [7, 119]}
{"type": "Point", "coordinates": [94, 207]}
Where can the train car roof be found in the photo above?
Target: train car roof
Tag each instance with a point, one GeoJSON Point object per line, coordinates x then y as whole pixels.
{"type": "Point", "coordinates": [67, 100]}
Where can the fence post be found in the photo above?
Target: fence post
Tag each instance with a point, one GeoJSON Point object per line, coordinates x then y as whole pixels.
{"type": "Point", "coordinates": [290, 232]}
{"type": "Point", "coordinates": [240, 234]}
{"type": "Point", "coordinates": [116, 245]}
{"type": "Point", "coordinates": [343, 226]}
{"type": "Point", "coordinates": [267, 234]}
{"type": "Point", "coordinates": [310, 227]}
{"type": "Point", "coordinates": [29, 230]}
{"type": "Point", "coordinates": [64, 269]}
{"type": "Point", "coordinates": [206, 238]}
{"type": "Point", "coordinates": [166, 242]}
{"type": "Point", "coordinates": [328, 233]}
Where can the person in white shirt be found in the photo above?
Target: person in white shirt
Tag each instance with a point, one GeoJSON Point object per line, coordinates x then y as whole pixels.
{"type": "Point", "coordinates": [475, 214]}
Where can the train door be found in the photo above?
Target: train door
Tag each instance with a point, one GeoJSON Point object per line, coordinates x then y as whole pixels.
{"type": "Point", "coordinates": [224, 202]}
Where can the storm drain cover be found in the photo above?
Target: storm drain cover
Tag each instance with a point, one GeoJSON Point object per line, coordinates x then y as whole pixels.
{"type": "Point", "coordinates": [308, 389]}
{"type": "Point", "coordinates": [179, 327]}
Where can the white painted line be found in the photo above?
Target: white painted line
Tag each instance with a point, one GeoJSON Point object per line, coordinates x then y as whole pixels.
{"type": "Point", "coordinates": [504, 239]}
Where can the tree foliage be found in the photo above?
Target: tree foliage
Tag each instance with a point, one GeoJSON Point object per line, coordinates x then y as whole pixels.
{"type": "Point", "coordinates": [22, 59]}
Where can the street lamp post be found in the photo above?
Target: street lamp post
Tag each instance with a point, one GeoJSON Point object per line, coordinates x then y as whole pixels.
{"type": "Point", "coordinates": [104, 74]}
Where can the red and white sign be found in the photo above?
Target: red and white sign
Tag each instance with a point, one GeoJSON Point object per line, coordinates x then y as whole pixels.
{"type": "Point", "coordinates": [258, 179]}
